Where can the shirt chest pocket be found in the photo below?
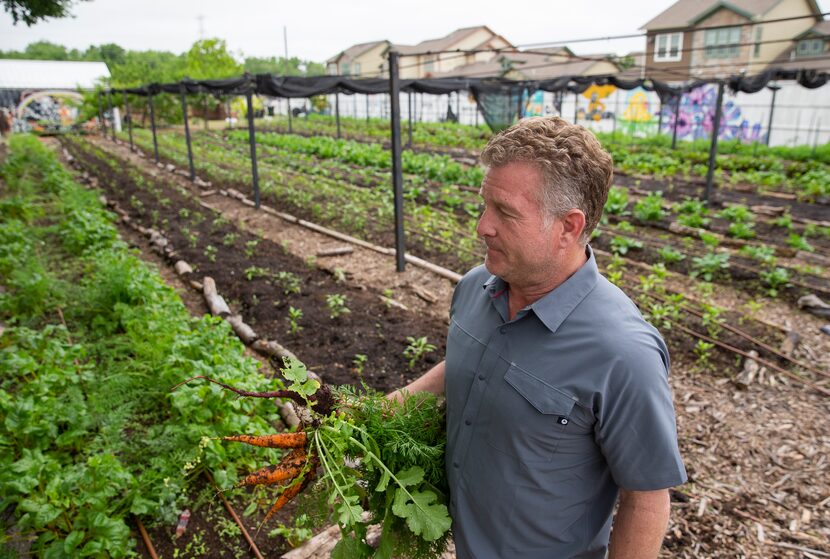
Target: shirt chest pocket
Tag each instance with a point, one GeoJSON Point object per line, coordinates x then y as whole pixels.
{"type": "Point", "coordinates": [528, 417]}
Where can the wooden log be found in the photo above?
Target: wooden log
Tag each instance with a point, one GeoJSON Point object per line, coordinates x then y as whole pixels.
{"type": "Point", "coordinates": [248, 202]}
{"type": "Point", "coordinates": [772, 211]}
{"type": "Point", "coordinates": [389, 302]}
{"type": "Point", "coordinates": [182, 268]}
{"type": "Point", "coordinates": [790, 343]}
{"type": "Point", "coordinates": [750, 371]}
{"type": "Point", "coordinates": [234, 193]}
{"type": "Point", "coordinates": [207, 193]}
{"type": "Point", "coordinates": [245, 332]}
{"type": "Point", "coordinates": [197, 285]}
{"type": "Point", "coordinates": [337, 251]}
{"type": "Point", "coordinates": [215, 302]}
{"type": "Point", "coordinates": [424, 294]}
{"type": "Point", "coordinates": [271, 348]}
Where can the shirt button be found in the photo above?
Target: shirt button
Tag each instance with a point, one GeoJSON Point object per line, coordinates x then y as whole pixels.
{"type": "Point", "coordinates": [503, 329]}
{"type": "Point", "coordinates": [480, 377]}
{"type": "Point", "coordinates": [468, 422]}
{"type": "Point", "coordinates": [455, 464]}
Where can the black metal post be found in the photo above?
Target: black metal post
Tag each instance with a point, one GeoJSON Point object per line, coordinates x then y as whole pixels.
{"type": "Point", "coordinates": [205, 114]}
{"type": "Point", "coordinates": [519, 104]}
{"type": "Point", "coordinates": [676, 120]}
{"type": "Point", "coordinates": [458, 106]}
{"type": "Point", "coordinates": [713, 149]}
{"type": "Point", "coordinates": [367, 108]}
{"type": "Point", "coordinates": [187, 132]}
{"type": "Point", "coordinates": [102, 126]}
{"type": "Point", "coordinates": [774, 88]}
{"type": "Point", "coordinates": [410, 106]}
{"type": "Point", "coordinates": [129, 120]}
{"type": "Point", "coordinates": [290, 116]}
{"type": "Point", "coordinates": [112, 113]}
{"type": "Point", "coordinates": [153, 126]}
{"type": "Point", "coordinates": [337, 112]}
{"type": "Point", "coordinates": [576, 107]}
{"type": "Point", "coordinates": [252, 141]}
{"type": "Point", "coordinates": [397, 168]}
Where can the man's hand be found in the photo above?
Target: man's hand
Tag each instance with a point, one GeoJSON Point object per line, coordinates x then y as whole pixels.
{"type": "Point", "coordinates": [640, 524]}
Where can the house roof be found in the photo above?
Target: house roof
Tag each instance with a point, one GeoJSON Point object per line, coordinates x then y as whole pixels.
{"type": "Point", "coordinates": [637, 70]}
{"type": "Point", "coordinates": [684, 13]}
{"type": "Point", "coordinates": [356, 50]}
{"type": "Point", "coordinates": [821, 28]}
{"type": "Point", "coordinates": [528, 66]}
{"type": "Point", "coordinates": [442, 43]}
{"type": "Point", "coordinates": [51, 74]}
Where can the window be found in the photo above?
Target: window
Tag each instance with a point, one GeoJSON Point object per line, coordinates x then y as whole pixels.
{"type": "Point", "coordinates": [345, 68]}
{"type": "Point", "coordinates": [809, 47]}
{"type": "Point", "coordinates": [757, 52]}
{"type": "Point", "coordinates": [357, 68]}
{"type": "Point", "coordinates": [668, 47]}
{"type": "Point", "coordinates": [429, 66]}
{"type": "Point", "coordinates": [722, 43]}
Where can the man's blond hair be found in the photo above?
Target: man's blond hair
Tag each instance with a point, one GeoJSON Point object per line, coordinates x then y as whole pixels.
{"type": "Point", "coordinates": [576, 171]}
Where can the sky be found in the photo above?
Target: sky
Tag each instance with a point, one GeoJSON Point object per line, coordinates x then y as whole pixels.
{"type": "Point", "coordinates": [322, 28]}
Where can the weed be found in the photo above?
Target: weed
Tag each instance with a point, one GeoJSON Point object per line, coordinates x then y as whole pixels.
{"type": "Point", "coordinates": [294, 316]}
{"type": "Point", "coordinates": [417, 348]}
{"type": "Point", "coordinates": [336, 304]}
{"type": "Point", "coordinates": [210, 253]}
{"type": "Point", "coordinates": [359, 363]}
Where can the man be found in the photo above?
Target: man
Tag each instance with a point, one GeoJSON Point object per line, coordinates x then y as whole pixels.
{"type": "Point", "coordinates": [557, 395]}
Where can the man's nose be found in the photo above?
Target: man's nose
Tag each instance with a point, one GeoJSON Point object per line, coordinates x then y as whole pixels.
{"type": "Point", "coordinates": [485, 227]}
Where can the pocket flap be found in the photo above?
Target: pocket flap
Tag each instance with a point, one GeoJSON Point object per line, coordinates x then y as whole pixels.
{"type": "Point", "coordinates": [542, 396]}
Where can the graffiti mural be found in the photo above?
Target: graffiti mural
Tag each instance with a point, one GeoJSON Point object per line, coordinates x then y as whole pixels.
{"type": "Point", "coordinates": [637, 117]}
{"type": "Point", "coordinates": [596, 95]}
{"type": "Point", "coordinates": [534, 105]}
{"type": "Point", "coordinates": [47, 112]}
{"type": "Point", "coordinates": [696, 118]}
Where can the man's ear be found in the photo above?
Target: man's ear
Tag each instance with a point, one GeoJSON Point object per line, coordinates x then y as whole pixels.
{"type": "Point", "coordinates": [573, 224]}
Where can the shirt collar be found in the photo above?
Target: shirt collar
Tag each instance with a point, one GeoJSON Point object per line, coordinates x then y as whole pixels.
{"type": "Point", "coordinates": [556, 306]}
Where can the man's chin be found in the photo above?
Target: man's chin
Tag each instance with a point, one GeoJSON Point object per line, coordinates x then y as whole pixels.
{"type": "Point", "coordinates": [493, 265]}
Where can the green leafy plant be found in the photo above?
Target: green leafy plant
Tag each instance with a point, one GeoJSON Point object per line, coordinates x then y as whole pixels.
{"type": "Point", "coordinates": [670, 255]}
{"type": "Point", "coordinates": [294, 316]}
{"type": "Point", "coordinates": [798, 242]}
{"type": "Point", "coordinates": [256, 272]}
{"type": "Point", "coordinates": [703, 351]}
{"type": "Point", "coordinates": [416, 349]}
{"type": "Point", "coordinates": [709, 265]}
{"type": "Point", "coordinates": [336, 304]}
{"type": "Point", "coordinates": [775, 280]}
{"type": "Point", "coordinates": [763, 254]}
{"type": "Point", "coordinates": [617, 201]}
{"type": "Point", "coordinates": [230, 238]}
{"type": "Point", "coordinates": [210, 253]}
{"type": "Point", "coordinates": [289, 282]}
{"type": "Point", "coordinates": [250, 247]}
{"type": "Point", "coordinates": [359, 363]}
{"type": "Point", "coordinates": [621, 245]}
{"type": "Point", "coordinates": [650, 208]}
{"type": "Point", "coordinates": [741, 230]}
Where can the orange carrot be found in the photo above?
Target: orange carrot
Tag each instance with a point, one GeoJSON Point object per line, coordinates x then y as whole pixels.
{"type": "Point", "coordinates": [279, 440]}
{"type": "Point", "coordinates": [285, 497]}
{"type": "Point", "coordinates": [289, 467]}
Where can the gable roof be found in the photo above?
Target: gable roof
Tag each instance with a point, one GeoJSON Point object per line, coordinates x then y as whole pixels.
{"type": "Point", "coordinates": [821, 29]}
{"type": "Point", "coordinates": [356, 50]}
{"type": "Point", "coordinates": [445, 42]}
{"type": "Point", "coordinates": [51, 74]}
{"type": "Point", "coordinates": [684, 13]}
{"type": "Point", "coordinates": [529, 66]}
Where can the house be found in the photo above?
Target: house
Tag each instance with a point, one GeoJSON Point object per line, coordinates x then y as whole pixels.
{"type": "Point", "coordinates": [695, 39]}
{"type": "Point", "coordinates": [414, 64]}
{"type": "Point", "coordinates": [808, 52]}
{"type": "Point", "coordinates": [539, 64]}
{"type": "Point", "coordinates": [371, 59]}
{"type": "Point", "coordinates": [365, 60]}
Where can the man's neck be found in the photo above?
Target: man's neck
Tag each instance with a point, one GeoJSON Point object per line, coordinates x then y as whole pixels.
{"type": "Point", "coordinates": [521, 295]}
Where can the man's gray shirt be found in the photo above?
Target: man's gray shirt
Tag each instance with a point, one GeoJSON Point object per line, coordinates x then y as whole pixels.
{"type": "Point", "coordinates": [549, 414]}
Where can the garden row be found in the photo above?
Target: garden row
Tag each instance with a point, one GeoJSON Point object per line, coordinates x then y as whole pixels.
{"type": "Point", "coordinates": [768, 255]}
{"type": "Point", "coordinates": [93, 340]}
{"type": "Point", "coordinates": [715, 332]}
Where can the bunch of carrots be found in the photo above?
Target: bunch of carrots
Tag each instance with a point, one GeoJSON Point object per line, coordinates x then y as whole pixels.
{"type": "Point", "coordinates": [377, 462]}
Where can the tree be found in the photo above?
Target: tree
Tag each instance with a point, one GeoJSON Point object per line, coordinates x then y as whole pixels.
{"type": "Point", "coordinates": [210, 59]}
{"type": "Point", "coordinates": [30, 11]}
{"type": "Point", "coordinates": [273, 65]}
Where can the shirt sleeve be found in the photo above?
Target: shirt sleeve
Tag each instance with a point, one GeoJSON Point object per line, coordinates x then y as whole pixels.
{"type": "Point", "coordinates": [636, 428]}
